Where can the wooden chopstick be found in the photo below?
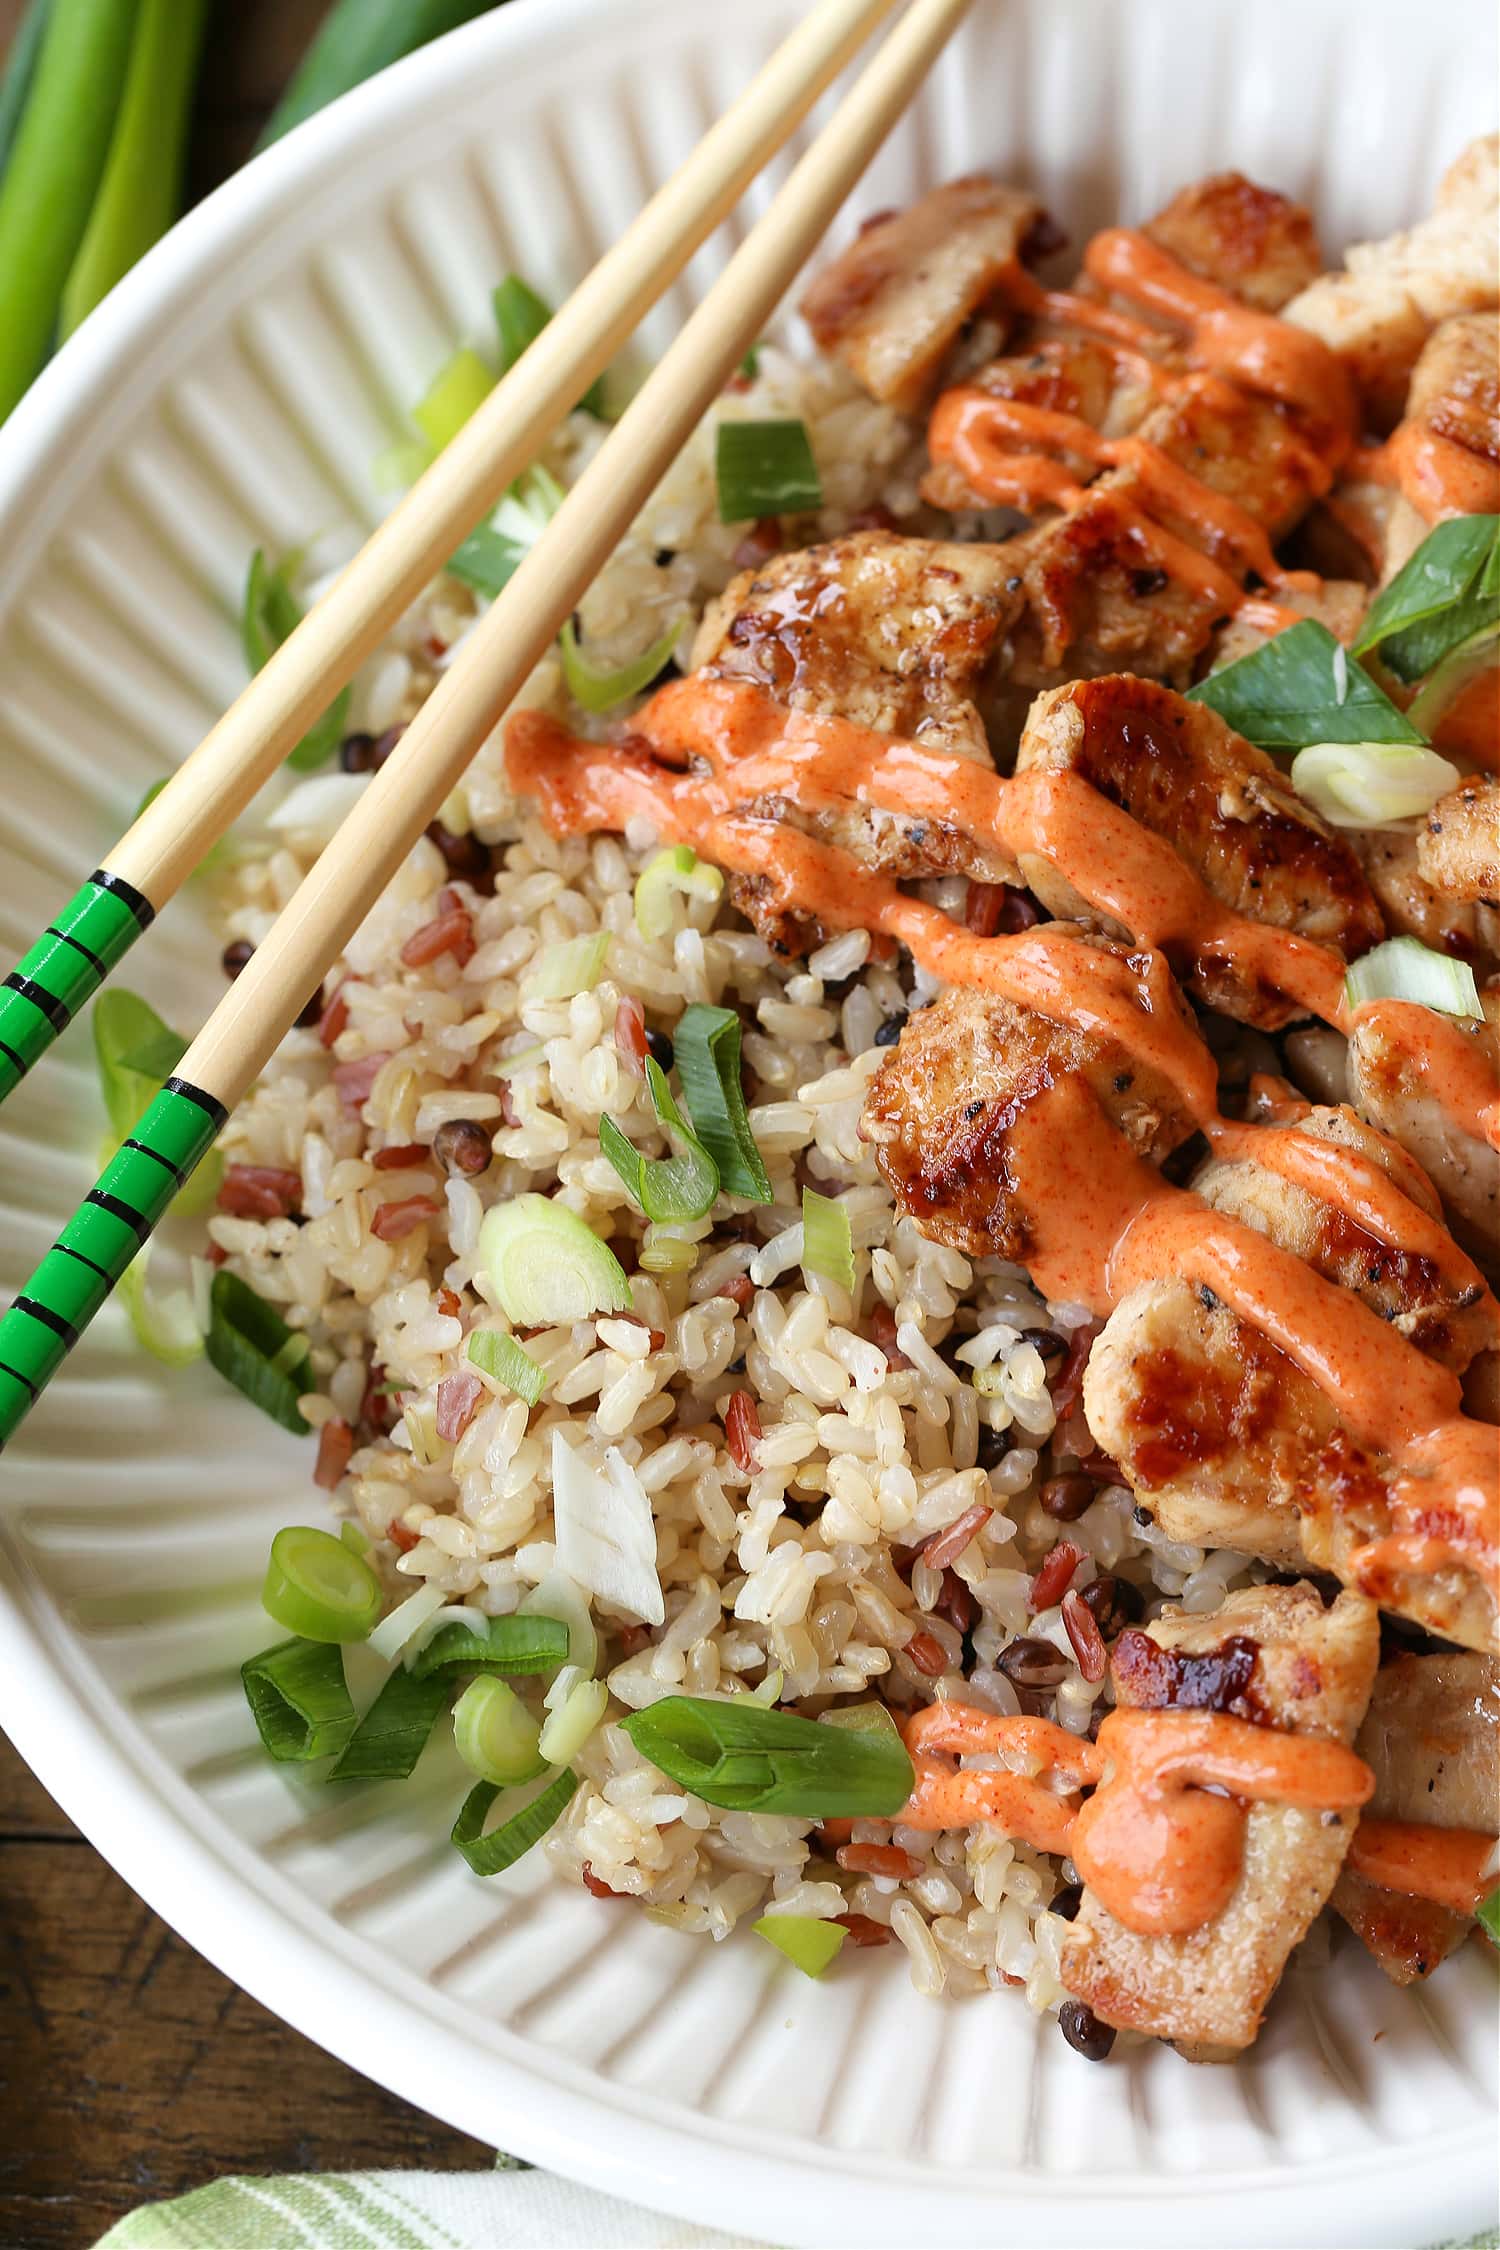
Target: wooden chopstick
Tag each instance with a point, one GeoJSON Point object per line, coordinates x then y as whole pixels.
{"type": "Point", "coordinates": [173, 833]}
{"type": "Point", "coordinates": [498, 655]}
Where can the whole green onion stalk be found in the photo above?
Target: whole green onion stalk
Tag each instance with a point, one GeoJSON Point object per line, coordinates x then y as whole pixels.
{"type": "Point", "coordinates": [357, 38]}
{"type": "Point", "coordinates": [57, 161]}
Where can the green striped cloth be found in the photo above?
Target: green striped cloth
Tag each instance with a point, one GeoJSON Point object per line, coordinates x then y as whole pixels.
{"type": "Point", "coordinates": [512, 2208]}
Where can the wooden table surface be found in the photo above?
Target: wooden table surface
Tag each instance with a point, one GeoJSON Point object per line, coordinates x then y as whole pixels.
{"type": "Point", "coordinates": [130, 2069]}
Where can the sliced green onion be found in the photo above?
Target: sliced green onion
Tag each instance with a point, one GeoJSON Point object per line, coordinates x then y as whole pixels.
{"type": "Point", "coordinates": [354, 1535]}
{"type": "Point", "coordinates": [737, 1754]}
{"type": "Point", "coordinates": [520, 317]}
{"type": "Point", "coordinates": [706, 1047]}
{"type": "Point", "coordinates": [765, 469]}
{"type": "Point", "coordinates": [487, 560]}
{"type": "Point", "coordinates": [601, 687]}
{"type": "Point", "coordinates": [863, 1718]}
{"type": "Point", "coordinates": [167, 1325]}
{"type": "Point", "coordinates": [270, 614]}
{"type": "Point", "coordinates": [1370, 784]}
{"type": "Point", "coordinates": [509, 1064]}
{"type": "Point", "coordinates": [399, 465]}
{"type": "Point", "coordinates": [245, 1337]}
{"type": "Point", "coordinates": [564, 970]}
{"type": "Point", "coordinates": [52, 178]}
{"type": "Point", "coordinates": [458, 389]}
{"type": "Point", "coordinates": [394, 1731]}
{"type": "Point", "coordinates": [1405, 969]}
{"type": "Point", "coordinates": [1461, 666]}
{"type": "Point", "coordinates": [750, 364]}
{"type": "Point", "coordinates": [318, 1588]}
{"type": "Point", "coordinates": [1489, 1915]}
{"type": "Point", "coordinates": [20, 69]}
{"type": "Point", "coordinates": [570, 1725]}
{"type": "Point", "coordinates": [501, 1358]}
{"type": "Point", "coordinates": [827, 1245]}
{"type": "Point", "coordinates": [141, 189]}
{"type": "Point", "coordinates": [558, 1596]}
{"type": "Point", "coordinates": [487, 1852]}
{"type": "Point", "coordinates": [662, 1252]}
{"type": "Point", "coordinates": [809, 1944]}
{"type": "Point", "coordinates": [546, 1267]}
{"type": "Point", "coordinates": [677, 871]}
{"type": "Point", "coordinates": [769, 1690]}
{"type": "Point", "coordinates": [1300, 687]}
{"type": "Point", "coordinates": [405, 1621]}
{"type": "Point", "coordinates": [298, 1700]}
{"type": "Point", "coordinates": [523, 1642]}
{"type": "Point", "coordinates": [1438, 598]}
{"type": "Point", "coordinates": [135, 1051]}
{"type": "Point", "coordinates": [355, 39]}
{"type": "Point", "coordinates": [496, 1735]}
{"type": "Point", "coordinates": [670, 1188]}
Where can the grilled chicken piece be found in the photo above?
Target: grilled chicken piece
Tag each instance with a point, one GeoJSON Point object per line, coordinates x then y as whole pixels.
{"type": "Point", "coordinates": [899, 635]}
{"type": "Point", "coordinates": [1275, 1656]}
{"type": "Point", "coordinates": [1445, 1316]}
{"type": "Point", "coordinates": [1410, 902]}
{"type": "Point", "coordinates": [1379, 312]}
{"type": "Point", "coordinates": [1243, 237]}
{"type": "Point", "coordinates": [1228, 811]}
{"type": "Point", "coordinates": [1097, 596]}
{"type": "Point", "coordinates": [1338, 603]}
{"type": "Point", "coordinates": [1064, 374]}
{"type": "Point", "coordinates": [1432, 1739]}
{"type": "Point", "coordinates": [1389, 1088]}
{"type": "Point", "coordinates": [941, 1106]}
{"type": "Point", "coordinates": [1455, 385]}
{"type": "Point", "coordinates": [894, 303]}
{"type": "Point", "coordinates": [1228, 1444]}
{"type": "Point", "coordinates": [1459, 855]}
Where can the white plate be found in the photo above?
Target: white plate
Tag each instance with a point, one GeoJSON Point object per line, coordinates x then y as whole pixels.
{"type": "Point", "coordinates": [235, 391]}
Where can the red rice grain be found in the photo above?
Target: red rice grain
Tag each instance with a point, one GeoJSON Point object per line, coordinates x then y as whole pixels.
{"type": "Point", "coordinates": [1055, 1576]}
{"type": "Point", "coordinates": [742, 1431]}
{"type": "Point", "coordinates": [335, 1444]}
{"type": "Point", "coordinates": [1083, 1632]}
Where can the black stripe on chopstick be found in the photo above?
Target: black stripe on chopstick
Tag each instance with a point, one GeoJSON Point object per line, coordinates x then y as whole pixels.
{"type": "Point", "coordinates": [138, 1226]}
{"type": "Point", "coordinates": [127, 894]}
{"type": "Point", "coordinates": [57, 1012]}
{"type": "Point", "coordinates": [49, 1319]}
{"type": "Point", "coordinates": [208, 1103]}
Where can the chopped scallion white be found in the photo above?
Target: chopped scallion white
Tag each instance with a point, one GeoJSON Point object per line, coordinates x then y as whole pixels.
{"type": "Point", "coordinates": [569, 968]}
{"type": "Point", "coordinates": [1370, 784]}
{"type": "Point", "coordinates": [568, 1728]}
{"type": "Point", "coordinates": [1405, 969]}
{"type": "Point", "coordinates": [392, 1633]}
{"type": "Point", "coordinates": [677, 871]}
{"type": "Point", "coordinates": [546, 1267]}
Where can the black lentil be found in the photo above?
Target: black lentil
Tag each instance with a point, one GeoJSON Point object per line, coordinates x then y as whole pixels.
{"type": "Point", "coordinates": [1085, 2034]}
{"type": "Point", "coordinates": [1066, 1498]}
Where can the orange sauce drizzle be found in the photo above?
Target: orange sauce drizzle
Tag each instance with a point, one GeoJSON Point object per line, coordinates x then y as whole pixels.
{"type": "Point", "coordinates": [1447, 1865]}
{"type": "Point", "coordinates": [1160, 1852]}
{"type": "Point", "coordinates": [1103, 1220]}
{"type": "Point", "coordinates": [1438, 476]}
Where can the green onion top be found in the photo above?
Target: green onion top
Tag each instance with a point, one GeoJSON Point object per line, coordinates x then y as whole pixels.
{"type": "Point", "coordinates": [749, 1759]}
{"type": "Point", "coordinates": [672, 1188]}
{"type": "Point", "coordinates": [706, 1047]}
{"type": "Point", "coordinates": [298, 1700]}
{"type": "Point", "coordinates": [253, 1348]}
{"type": "Point", "coordinates": [1489, 1916]}
{"type": "Point", "coordinates": [520, 316]}
{"type": "Point", "coordinates": [765, 469]}
{"type": "Point", "coordinates": [827, 1241]}
{"type": "Point", "coordinates": [501, 1358]}
{"type": "Point", "coordinates": [490, 1850]}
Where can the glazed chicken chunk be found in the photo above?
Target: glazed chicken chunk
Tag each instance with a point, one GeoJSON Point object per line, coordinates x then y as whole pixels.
{"type": "Point", "coordinates": [1227, 810]}
{"type": "Point", "coordinates": [1228, 1444]}
{"type": "Point", "coordinates": [1275, 1656]}
{"type": "Point", "coordinates": [899, 635]}
{"type": "Point", "coordinates": [1380, 310]}
{"type": "Point", "coordinates": [941, 1108]}
{"type": "Point", "coordinates": [1432, 1739]}
{"type": "Point", "coordinates": [1389, 1087]}
{"type": "Point", "coordinates": [893, 304]}
{"type": "Point", "coordinates": [1459, 852]}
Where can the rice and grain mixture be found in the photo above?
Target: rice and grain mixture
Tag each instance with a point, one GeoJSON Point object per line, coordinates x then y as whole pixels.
{"type": "Point", "coordinates": [804, 1451]}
